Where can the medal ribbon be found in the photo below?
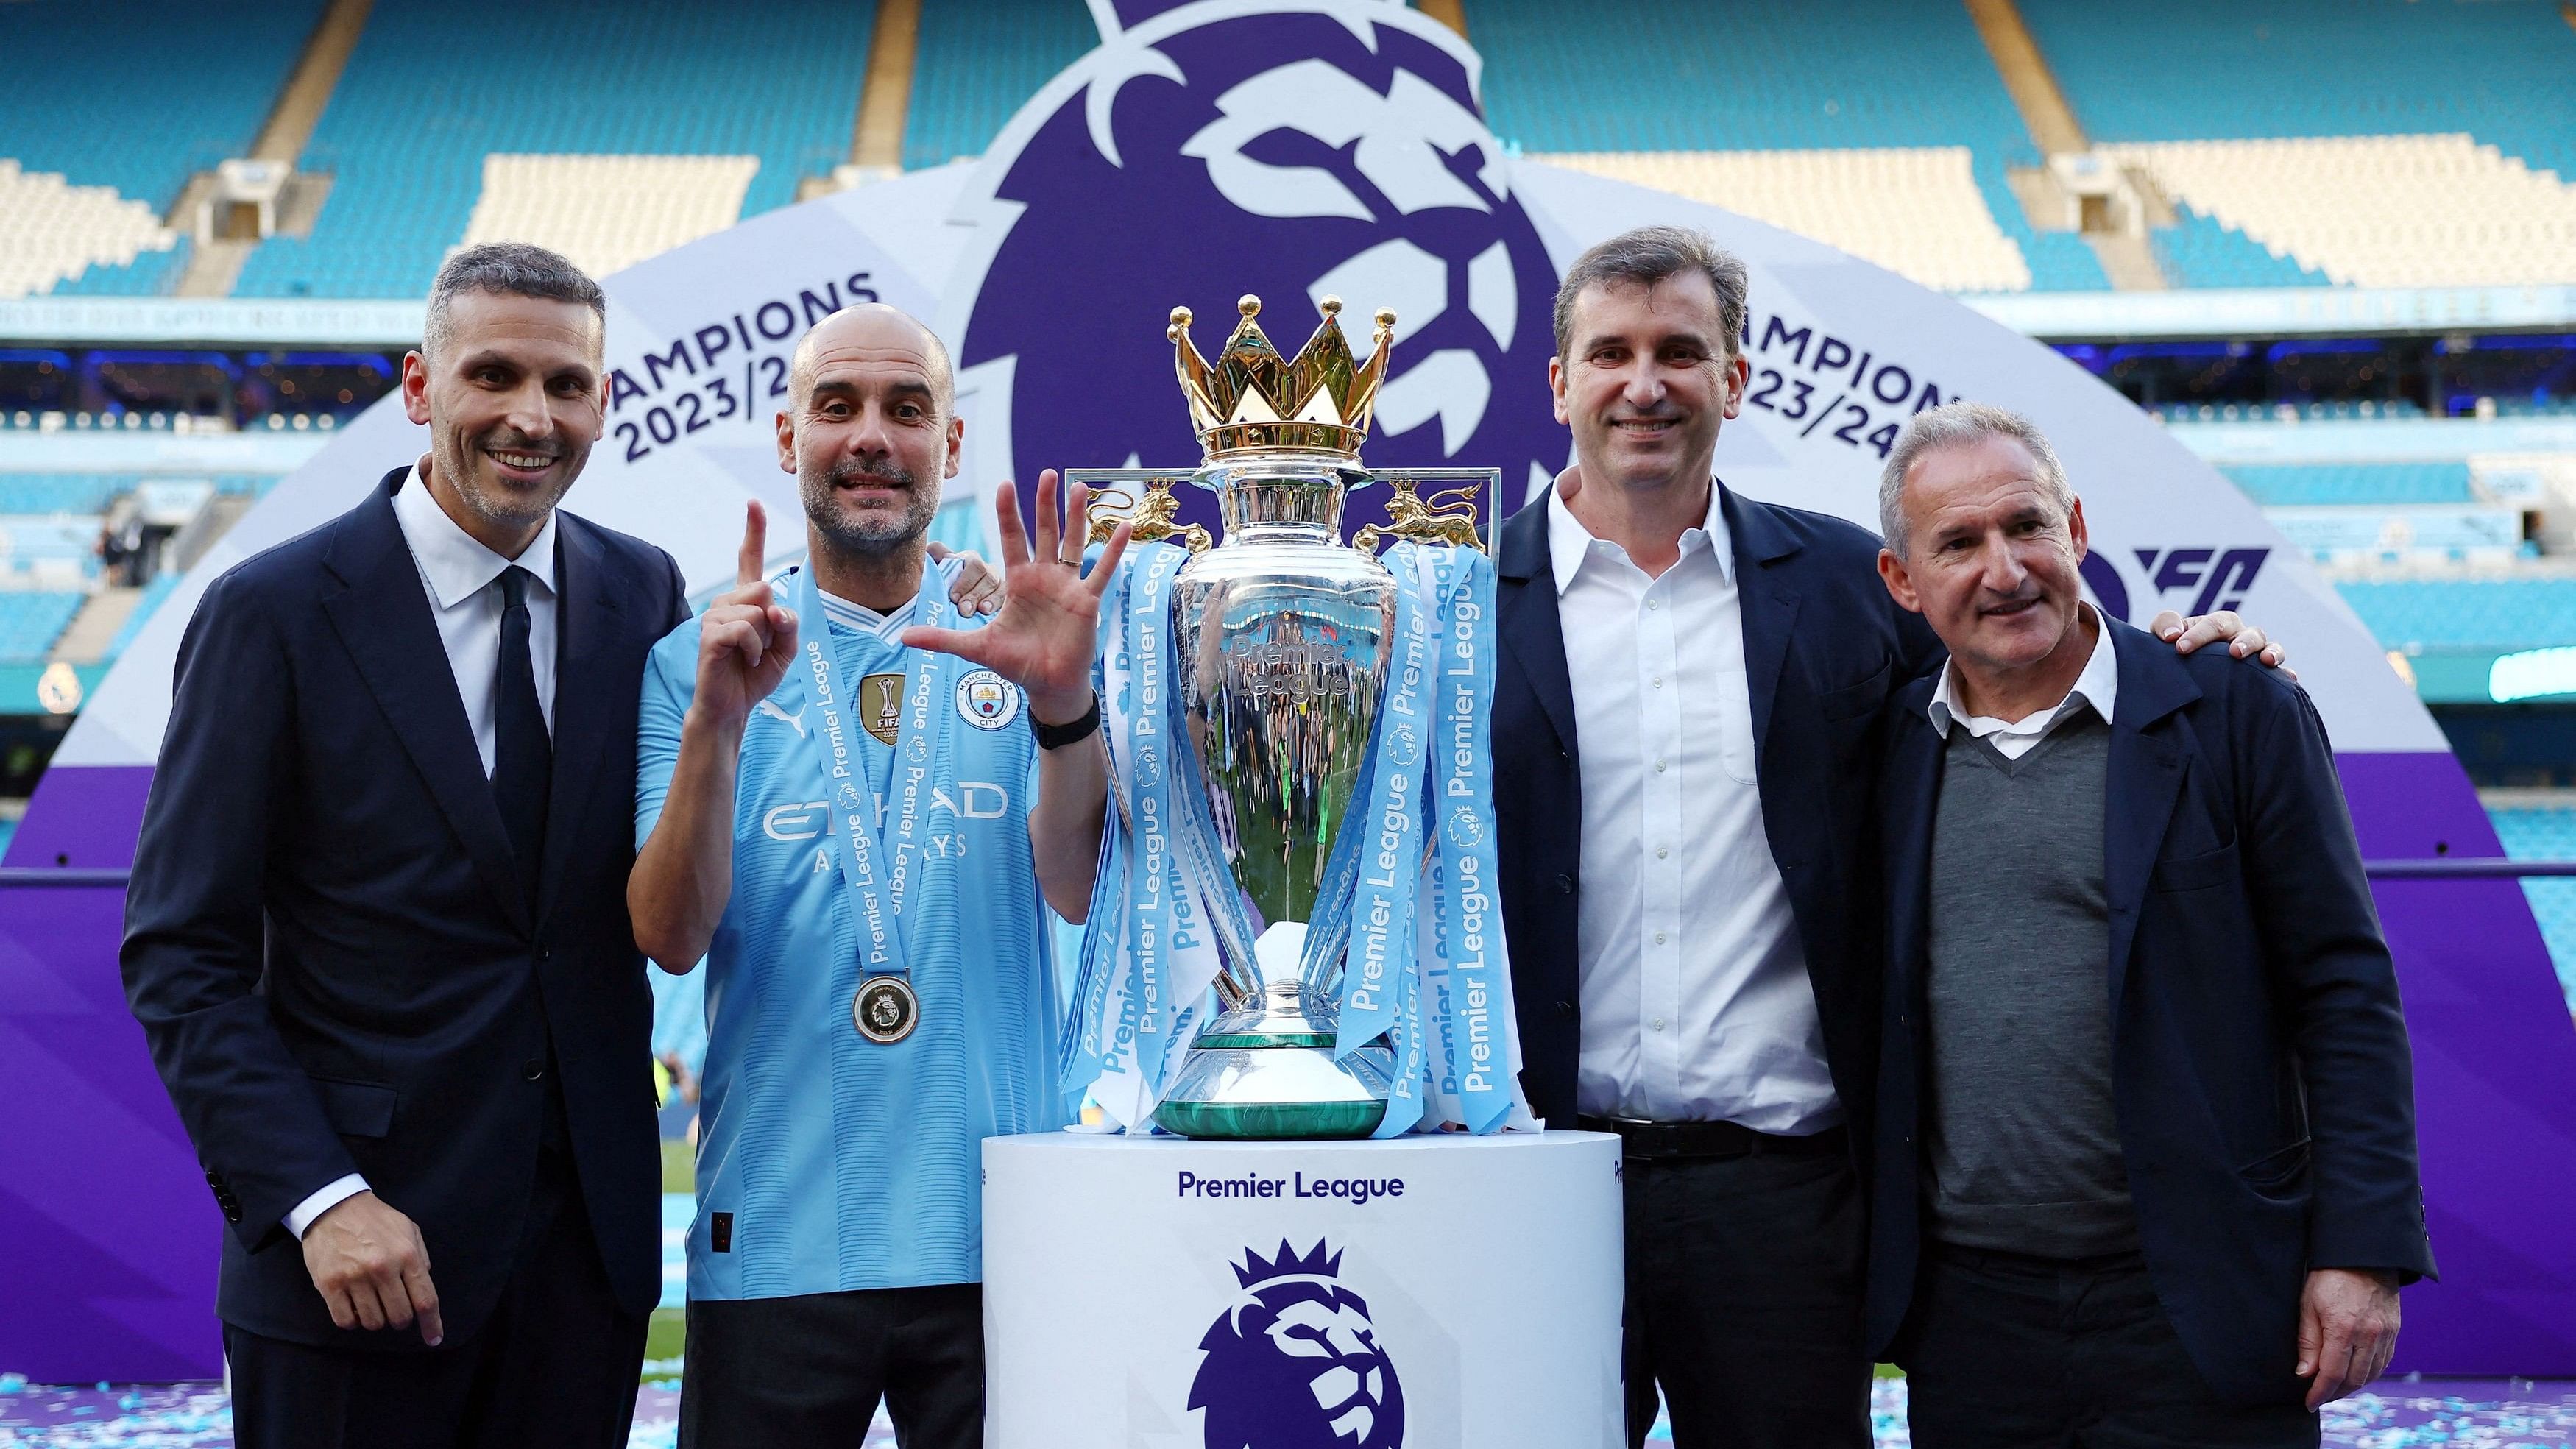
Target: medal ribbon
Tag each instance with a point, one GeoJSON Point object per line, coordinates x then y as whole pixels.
{"type": "Point", "coordinates": [874, 879]}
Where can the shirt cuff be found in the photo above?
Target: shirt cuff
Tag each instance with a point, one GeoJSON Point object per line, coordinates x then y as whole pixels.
{"type": "Point", "coordinates": [322, 1202]}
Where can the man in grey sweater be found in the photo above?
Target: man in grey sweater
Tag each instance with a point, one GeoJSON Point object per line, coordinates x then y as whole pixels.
{"type": "Point", "coordinates": [2145, 1144]}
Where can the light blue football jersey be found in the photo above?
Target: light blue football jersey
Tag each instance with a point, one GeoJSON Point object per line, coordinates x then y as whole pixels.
{"type": "Point", "coordinates": [825, 1161]}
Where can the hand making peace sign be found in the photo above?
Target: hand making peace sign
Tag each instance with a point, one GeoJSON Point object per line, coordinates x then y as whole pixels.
{"type": "Point", "coordinates": [1046, 638]}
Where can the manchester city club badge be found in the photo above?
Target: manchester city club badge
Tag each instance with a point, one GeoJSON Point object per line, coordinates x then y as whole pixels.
{"type": "Point", "coordinates": [885, 1010]}
{"type": "Point", "coordinates": [987, 701]}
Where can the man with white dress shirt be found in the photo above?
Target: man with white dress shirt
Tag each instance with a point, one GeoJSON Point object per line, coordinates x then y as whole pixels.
{"type": "Point", "coordinates": [376, 933]}
{"type": "Point", "coordinates": [1688, 865]}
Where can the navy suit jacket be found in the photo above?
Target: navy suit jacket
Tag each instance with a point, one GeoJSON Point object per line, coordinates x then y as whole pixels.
{"type": "Point", "coordinates": [326, 938]}
{"type": "Point", "coordinates": [1824, 646]}
{"type": "Point", "coordinates": [2260, 1070]}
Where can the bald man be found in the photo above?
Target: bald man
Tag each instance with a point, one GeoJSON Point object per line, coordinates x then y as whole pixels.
{"type": "Point", "coordinates": [854, 804]}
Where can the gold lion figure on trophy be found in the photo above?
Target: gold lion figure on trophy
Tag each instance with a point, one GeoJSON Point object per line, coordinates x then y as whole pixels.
{"type": "Point", "coordinates": [1448, 516]}
{"type": "Point", "coordinates": [1149, 518]}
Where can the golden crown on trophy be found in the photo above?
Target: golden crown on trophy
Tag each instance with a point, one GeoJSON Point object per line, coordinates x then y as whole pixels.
{"type": "Point", "coordinates": [1253, 400]}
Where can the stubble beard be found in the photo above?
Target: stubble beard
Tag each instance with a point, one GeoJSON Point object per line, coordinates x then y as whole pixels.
{"type": "Point", "coordinates": [870, 534]}
{"type": "Point", "coordinates": [455, 457]}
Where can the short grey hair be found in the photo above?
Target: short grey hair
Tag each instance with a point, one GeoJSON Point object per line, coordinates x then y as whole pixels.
{"type": "Point", "coordinates": [506, 269]}
{"type": "Point", "coordinates": [1648, 255]}
{"type": "Point", "coordinates": [1955, 425]}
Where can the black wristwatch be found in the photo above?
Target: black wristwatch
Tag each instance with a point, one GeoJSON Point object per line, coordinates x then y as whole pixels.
{"type": "Point", "coordinates": [1056, 737]}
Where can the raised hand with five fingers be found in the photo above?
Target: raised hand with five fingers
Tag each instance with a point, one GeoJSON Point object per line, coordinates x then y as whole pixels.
{"type": "Point", "coordinates": [746, 638]}
{"type": "Point", "coordinates": [1046, 637]}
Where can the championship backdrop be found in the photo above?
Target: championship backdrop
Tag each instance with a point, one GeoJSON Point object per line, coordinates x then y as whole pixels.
{"type": "Point", "coordinates": [1294, 150]}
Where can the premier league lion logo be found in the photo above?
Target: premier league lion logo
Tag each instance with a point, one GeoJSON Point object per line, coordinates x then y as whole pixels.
{"type": "Point", "coordinates": [1295, 1363]}
{"type": "Point", "coordinates": [1331, 146]}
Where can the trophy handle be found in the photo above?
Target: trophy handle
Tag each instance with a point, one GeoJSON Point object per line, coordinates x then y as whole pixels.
{"type": "Point", "coordinates": [1150, 517]}
{"type": "Point", "coordinates": [1447, 516]}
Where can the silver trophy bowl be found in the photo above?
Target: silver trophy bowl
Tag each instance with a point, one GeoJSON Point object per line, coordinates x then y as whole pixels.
{"type": "Point", "coordinates": [1283, 635]}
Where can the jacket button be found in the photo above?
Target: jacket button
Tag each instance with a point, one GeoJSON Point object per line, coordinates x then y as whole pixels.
{"type": "Point", "coordinates": [532, 1069]}
{"type": "Point", "coordinates": [1565, 1008]}
{"type": "Point", "coordinates": [1565, 885]}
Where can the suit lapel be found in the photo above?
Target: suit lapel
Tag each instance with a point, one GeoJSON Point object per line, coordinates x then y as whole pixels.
{"type": "Point", "coordinates": [1766, 602]}
{"type": "Point", "coordinates": [383, 619]}
{"type": "Point", "coordinates": [1913, 793]}
{"type": "Point", "coordinates": [2147, 765]}
{"type": "Point", "coordinates": [587, 619]}
{"type": "Point", "coordinates": [1533, 634]}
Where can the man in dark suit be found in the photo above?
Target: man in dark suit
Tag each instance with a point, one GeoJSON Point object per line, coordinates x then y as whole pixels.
{"type": "Point", "coordinates": [1688, 850]}
{"type": "Point", "coordinates": [2145, 1139]}
{"type": "Point", "coordinates": [377, 935]}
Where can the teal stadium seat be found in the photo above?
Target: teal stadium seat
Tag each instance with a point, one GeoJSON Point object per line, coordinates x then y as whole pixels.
{"type": "Point", "coordinates": [2495, 616]}
{"type": "Point", "coordinates": [138, 95]}
{"type": "Point", "coordinates": [2311, 484]}
{"type": "Point", "coordinates": [422, 102]}
{"type": "Point", "coordinates": [2543, 834]}
{"type": "Point", "coordinates": [2503, 71]}
{"type": "Point", "coordinates": [30, 622]}
{"type": "Point", "coordinates": [2205, 252]}
{"type": "Point", "coordinates": [978, 62]}
{"type": "Point", "coordinates": [36, 493]}
{"type": "Point", "coordinates": [1766, 75]}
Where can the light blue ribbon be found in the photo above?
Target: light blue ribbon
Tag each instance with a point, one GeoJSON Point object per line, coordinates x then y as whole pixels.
{"type": "Point", "coordinates": [1381, 992]}
{"type": "Point", "coordinates": [1470, 915]}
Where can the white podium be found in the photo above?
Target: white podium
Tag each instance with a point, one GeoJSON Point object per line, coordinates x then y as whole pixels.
{"type": "Point", "coordinates": [1431, 1292]}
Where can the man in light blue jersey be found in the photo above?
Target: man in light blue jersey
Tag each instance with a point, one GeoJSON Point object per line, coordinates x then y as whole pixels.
{"type": "Point", "coordinates": [852, 807]}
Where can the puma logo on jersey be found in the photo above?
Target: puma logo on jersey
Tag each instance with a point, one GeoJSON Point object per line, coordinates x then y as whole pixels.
{"type": "Point", "coordinates": [795, 721]}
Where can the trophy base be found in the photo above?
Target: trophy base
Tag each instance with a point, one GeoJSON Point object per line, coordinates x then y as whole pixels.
{"type": "Point", "coordinates": [1274, 1093]}
{"type": "Point", "coordinates": [1265, 1072]}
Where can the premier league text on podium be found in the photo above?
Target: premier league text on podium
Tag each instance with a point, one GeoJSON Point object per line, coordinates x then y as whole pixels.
{"type": "Point", "coordinates": [1438, 1291]}
{"type": "Point", "coordinates": [1304, 824]}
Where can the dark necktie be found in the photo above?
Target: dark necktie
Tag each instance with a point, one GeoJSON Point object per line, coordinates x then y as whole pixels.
{"type": "Point", "coordinates": [523, 756]}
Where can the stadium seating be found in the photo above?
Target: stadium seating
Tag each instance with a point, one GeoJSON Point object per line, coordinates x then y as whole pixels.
{"type": "Point", "coordinates": [423, 100]}
{"type": "Point", "coordinates": [38, 493]}
{"type": "Point", "coordinates": [2297, 485]}
{"type": "Point", "coordinates": [53, 232]}
{"type": "Point", "coordinates": [977, 62]}
{"type": "Point", "coordinates": [31, 620]}
{"type": "Point", "coordinates": [2546, 834]}
{"type": "Point", "coordinates": [2379, 211]}
{"type": "Point", "coordinates": [608, 212]}
{"type": "Point", "coordinates": [1776, 75]}
{"type": "Point", "coordinates": [2205, 252]}
{"type": "Point", "coordinates": [75, 71]}
{"type": "Point", "coordinates": [1913, 210]}
{"type": "Point", "coordinates": [2180, 70]}
{"type": "Point", "coordinates": [2465, 615]}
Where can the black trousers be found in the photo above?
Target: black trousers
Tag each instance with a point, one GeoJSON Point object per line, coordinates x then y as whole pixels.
{"type": "Point", "coordinates": [809, 1370]}
{"type": "Point", "coordinates": [2002, 1350]}
{"type": "Point", "coordinates": [557, 1364]}
{"type": "Point", "coordinates": [1744, 1300]}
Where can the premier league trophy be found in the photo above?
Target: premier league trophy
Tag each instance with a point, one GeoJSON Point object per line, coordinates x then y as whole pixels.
{"type": "Point", "coordinates": [1283, 753]}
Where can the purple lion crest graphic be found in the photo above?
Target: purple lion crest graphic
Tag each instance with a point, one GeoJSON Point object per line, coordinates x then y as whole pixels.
{"type": "Point", "coordinates": [1293, 154]}
{"type": "Point", "coordinates": [1294, 1362]}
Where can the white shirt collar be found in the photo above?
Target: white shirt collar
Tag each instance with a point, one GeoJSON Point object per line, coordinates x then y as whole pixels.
{"type": "Point", "coordinates": [1569, 543]}
{"type": "Point", "coordinates": [2098, 687]}
{"type": "Point", "coordinates": [455, 563]}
